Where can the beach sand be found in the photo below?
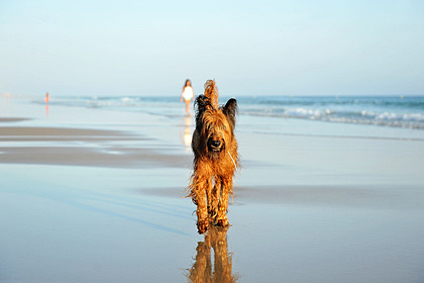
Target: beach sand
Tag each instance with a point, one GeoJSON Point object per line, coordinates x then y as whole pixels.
{"type": "Point", "coordinates": [89, 195]}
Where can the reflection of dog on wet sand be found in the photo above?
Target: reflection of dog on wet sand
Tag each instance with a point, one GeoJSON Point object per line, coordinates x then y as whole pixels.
{"type": "Point", "coordinates": [215, 158]}
{"type": "Point", "coordinates": [221, 270]}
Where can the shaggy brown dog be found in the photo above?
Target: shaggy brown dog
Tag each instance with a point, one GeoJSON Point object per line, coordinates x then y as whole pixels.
{"type": "Point", "coordinates": [215, 158]}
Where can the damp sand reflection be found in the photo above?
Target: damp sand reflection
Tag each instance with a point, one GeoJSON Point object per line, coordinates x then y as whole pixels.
{"type": "Point", "coordinates": [187, 133]}
{"type": "Point", "coordinates": [218, 270]}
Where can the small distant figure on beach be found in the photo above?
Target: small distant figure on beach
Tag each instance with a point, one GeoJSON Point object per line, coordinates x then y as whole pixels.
{"type": "Point", "coordinates": [47, 98]}
{"type": "Point", "coordinates": [187, 94]}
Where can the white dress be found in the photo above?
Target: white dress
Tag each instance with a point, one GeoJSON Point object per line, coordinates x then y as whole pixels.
{"type": "Point", "coordinates": [188, 93]}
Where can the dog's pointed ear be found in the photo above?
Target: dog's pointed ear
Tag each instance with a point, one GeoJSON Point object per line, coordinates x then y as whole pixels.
{"type": "Point", "coordinates": [230, 110]}
{"type": "Point", "coordinates": [201, 104]}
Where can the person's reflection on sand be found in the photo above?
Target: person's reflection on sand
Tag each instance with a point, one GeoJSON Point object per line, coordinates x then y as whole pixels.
{"type": "Point", "coordinates": [221, 270]}
{"type": "Point", "coordinates": [187, 133]}
{"type": "Point", "coordinates": [46, 100]}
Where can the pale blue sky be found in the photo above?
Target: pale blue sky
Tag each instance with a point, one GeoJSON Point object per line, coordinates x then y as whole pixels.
{"type": "Point", "coordinates": [130, 47]}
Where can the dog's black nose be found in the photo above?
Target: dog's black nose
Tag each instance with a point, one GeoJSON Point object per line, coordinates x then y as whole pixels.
{"type": "Point", "coordinates": [215, 143]}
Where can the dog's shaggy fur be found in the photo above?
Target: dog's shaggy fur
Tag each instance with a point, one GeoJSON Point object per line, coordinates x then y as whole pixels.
{"type": "Point", "coordinates": [215, 158]}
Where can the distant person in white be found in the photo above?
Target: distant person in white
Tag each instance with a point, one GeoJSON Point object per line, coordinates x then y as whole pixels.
{"type": "Point", "coordinates": [187, 94]}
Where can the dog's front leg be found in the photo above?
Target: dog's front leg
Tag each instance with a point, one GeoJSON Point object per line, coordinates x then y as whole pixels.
{"type": "Point", "coordinates": [209, 198]}
{"type": "Point", "coordinates": [198, 188]}
{"type": "Point", "coordinates": [202, 209]}
{"type": "Point", "coordinates": [216, 192]}
{"type": "Point", "coordinates": [227, 188]}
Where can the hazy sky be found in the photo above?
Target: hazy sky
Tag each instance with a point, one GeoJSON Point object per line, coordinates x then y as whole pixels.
{"type": "Point", "coordinates": [132, 47]}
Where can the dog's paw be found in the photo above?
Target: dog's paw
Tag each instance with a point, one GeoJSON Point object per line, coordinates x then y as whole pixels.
{"type": "Point", "coordinates": [202, 226]}
{"type": "Point", "coordinates": [223, 222]}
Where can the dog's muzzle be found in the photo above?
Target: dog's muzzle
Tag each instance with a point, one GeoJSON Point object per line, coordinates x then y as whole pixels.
{"type": "Point", "coordinates": [214, 145]}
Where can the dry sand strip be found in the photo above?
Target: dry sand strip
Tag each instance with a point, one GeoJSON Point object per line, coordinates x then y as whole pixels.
{"type": "Point", "coordinates": [58, 148]}
{"type": "Point", "coordinates": [354, 196]}
{"type": "Point", "coordinates": [80, 156]}
{"type": "Point", "coordinates": [10, 120]}
{"type": "Point", "coordinates": [347, 196]}
{"type": "Point", "coordinates": [62, 134]}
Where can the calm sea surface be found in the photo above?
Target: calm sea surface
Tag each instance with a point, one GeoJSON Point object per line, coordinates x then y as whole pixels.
{"type": "Point", "coordinates": [390, 111]}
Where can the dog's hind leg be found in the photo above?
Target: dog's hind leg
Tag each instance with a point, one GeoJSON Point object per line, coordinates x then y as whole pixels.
{"type": "Point", "coordinates": [227, 188]}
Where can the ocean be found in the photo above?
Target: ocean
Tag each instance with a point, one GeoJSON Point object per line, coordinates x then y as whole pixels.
{"type": "Point", "coordinates": [385, 111]}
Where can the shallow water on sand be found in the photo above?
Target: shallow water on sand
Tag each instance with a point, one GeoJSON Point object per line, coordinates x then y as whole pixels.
{"type": "Point", "coordinates": [313, 202]}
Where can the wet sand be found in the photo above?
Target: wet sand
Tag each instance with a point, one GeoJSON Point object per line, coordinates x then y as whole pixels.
{"type": "Point", "coordinates": [104, 201]}
{"type": "Point", "coordinates": [71, 147]}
